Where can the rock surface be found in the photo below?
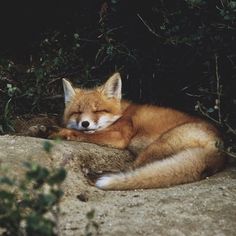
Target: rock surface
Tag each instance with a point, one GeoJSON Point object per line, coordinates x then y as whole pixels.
{"type": "Point", "coordinates": [207, 207]}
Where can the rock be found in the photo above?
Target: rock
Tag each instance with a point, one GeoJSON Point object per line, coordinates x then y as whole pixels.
{"type": "Point", "coordinates": [79, 159]}
{"type": "Point", "coordinates": [207, 207]}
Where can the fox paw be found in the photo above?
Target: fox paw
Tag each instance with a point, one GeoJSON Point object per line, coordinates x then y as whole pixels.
{"type": "Point", "coordinates": [66, 134]}
{"type": "Point", "coordinates": [41, 131]}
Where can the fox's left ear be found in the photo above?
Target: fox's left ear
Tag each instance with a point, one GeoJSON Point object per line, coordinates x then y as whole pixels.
{"type": "Point", "coordinates": [69, 92]}
{"type": "Point", "coordinates": [112, 88]}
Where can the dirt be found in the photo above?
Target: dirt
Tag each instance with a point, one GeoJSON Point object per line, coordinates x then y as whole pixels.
{"type": "Point", "coordinates": [204, 208]}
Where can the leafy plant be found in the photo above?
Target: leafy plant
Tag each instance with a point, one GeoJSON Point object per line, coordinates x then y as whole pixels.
{"type": "Point", "coordinates": [5, 119]}
{"type": "Point", "coordinates": [30, 206]}
{"type": "Point", "coordinates": [7, 115]}
{"type": "Point", "coordinates": [92, 226]}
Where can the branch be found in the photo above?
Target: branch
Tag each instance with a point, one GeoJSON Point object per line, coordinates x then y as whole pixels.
{"type": "Point", "coordinates": [199, 106]}
{"type": "Point", "coordinates": [218, 90]}
{"type": "Point", "coordinates": [148, 27]}
{"type": "Point", "coordinates": [53, 97]}
{"type": "Point", "coordinates": [230, 129]}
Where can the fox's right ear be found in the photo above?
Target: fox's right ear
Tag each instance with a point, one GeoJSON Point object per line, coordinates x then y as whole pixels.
{"type": "Point", "coordinates": [69, 92]}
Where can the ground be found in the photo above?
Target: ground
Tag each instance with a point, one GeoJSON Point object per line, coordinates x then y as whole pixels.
{"type": "Point", "coordinates": [207, 207]}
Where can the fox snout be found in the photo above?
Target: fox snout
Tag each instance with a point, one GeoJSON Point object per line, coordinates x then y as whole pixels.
{"type": "Point", "coordinates": [86, 123]}
{"type": "Point", "coordinates": [82, 124]}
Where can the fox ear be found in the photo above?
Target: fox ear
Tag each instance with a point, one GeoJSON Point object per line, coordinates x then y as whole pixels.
{"type": "Point", "coordinates": [112, 88]}
{"type": "Point", "coordinates": [69, 92]}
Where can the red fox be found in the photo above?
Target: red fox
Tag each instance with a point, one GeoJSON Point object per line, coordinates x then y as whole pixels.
{"type": "Point", "coordinates": [171, 147]}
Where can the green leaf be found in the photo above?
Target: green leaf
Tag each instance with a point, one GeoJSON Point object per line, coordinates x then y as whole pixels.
{"type": "Point", "coordinates": [45, 201]}
{"type": "Point", "coordinates": [1, 129]}
{"type": "Point", "coordinates": [37, 225]}
{"type": "Point", "coordinates": [210, 110]}
{"type": "Point", "coordinates": [76, 36]}
{"type": "Point", "coordinates": [38, 174]}
{"type": "Point", "coordinates": [6, 180]}
{"type": "Point", "coordinates": [90, 214]}
{"type": "Point", "coordinates": [47, 146]}
{"type": "Point", "coordinates": [58, 177]}
{"type": "Point", "coordinates": [6, 195]}
{"type": "Point", "coordinates": [58, 193]}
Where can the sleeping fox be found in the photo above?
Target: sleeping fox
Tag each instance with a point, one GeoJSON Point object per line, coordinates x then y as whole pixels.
{"type": "Point", "coordinates": [171, 147]}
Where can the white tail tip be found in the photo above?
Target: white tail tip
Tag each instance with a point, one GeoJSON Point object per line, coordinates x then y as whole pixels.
{"type": "Point", "coordinates": [103, 182]}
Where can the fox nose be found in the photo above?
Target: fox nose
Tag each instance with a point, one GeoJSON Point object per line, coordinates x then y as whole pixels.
{"type": "Point", "coordinates": [85, 124]}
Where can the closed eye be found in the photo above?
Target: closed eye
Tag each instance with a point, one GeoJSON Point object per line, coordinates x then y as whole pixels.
{"type": "Point", "coordinates": [102, 111]}
{"type": "Point", "coordinates": [76, 113]}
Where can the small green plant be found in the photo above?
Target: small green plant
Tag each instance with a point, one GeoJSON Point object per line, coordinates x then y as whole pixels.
{"type": "Point", "coordinates": [30, 206]}
{"type": "Point", "coordinates": [5, 118]}
{"type": "Point", "coordinates": [7, 114]}
{"type": "Point", "coordinates": [9, 91]}
{"type": "Point", "coordinates": [92, 226]}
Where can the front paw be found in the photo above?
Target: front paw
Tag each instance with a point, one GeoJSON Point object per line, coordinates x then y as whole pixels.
{"type": "Point", "coordinates": [41, 131]}
{"type": "Point", "coordinates": [65, 134]}
{"type": "Point", "coordinates": [57, 135]}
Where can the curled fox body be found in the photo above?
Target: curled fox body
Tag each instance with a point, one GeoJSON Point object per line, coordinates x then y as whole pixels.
{"type": "Point", "coordinates": [171, 147]}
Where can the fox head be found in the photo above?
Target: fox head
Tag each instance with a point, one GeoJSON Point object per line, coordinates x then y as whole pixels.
{"type": "Point", "coordinates": [90, 110]}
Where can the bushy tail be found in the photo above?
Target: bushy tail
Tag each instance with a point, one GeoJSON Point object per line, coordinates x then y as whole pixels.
{"type": "Point", "coordinates": [187, 166]}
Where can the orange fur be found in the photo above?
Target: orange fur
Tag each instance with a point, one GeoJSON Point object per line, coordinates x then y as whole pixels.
{"type": "Point", "coordinates": [171, 147]}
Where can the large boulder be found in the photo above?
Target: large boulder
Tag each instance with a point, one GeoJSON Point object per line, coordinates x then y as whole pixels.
{"type": "Point", "coordinates": [207, 207]}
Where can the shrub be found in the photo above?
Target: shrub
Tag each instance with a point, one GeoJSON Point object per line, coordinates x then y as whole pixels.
{"type": "Point", "coordinates": [30, 206]}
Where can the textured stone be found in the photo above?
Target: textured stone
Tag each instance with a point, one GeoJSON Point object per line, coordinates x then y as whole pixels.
{"type": "Point", "coordinates": [207, 207]}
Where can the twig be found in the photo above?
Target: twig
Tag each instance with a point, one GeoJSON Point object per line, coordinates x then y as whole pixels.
{"type": "Point", "coordinates": [222, 3]}
{"type": "Point", "coordinates": [114, 29]}
{"type": "Point", "coordinates": [232, 154]}
{"type": "Point", "coordinates": [88, 40]}
{"type": "Point", "coordinates": [205, 113]}
{"type": "Point", "coordinates": [148, 27]}
{"type": "Point", "coordinates": [1, 90]}
{"type": "Point", "coordinates": [230, 129]}
{"type": "Point", "coordinates": [218, 90]}
{"type": "Point", "coordinates": [194, 95]}
{"type": "Point", "coordinates": [53, 97]}
{"type": "Point", "coordinates": [61, 75]}
{"type": "Point", "coordinates": [54, 80]}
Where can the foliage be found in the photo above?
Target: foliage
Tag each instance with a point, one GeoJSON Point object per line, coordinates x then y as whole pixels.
{"type": "Point", "coordinates": [92, 226]}
{"type": "Point", "coordinates": [30, 206]}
